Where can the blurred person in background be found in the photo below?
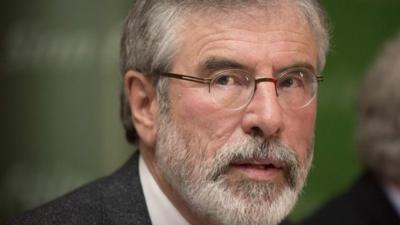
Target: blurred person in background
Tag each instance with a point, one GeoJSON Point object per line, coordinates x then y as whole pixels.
{"type": "Point", "coordinates": [375, 198]}
{"type": "Point", "coordinates": [220, 98]}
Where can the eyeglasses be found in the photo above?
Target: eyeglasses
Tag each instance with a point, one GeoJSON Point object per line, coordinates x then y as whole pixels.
{"type": "Point", "coordinates": [234, 88]}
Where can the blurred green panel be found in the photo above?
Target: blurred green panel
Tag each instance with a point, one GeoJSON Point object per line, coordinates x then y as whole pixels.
{"type": "Point", "coordinates": [59, 86]}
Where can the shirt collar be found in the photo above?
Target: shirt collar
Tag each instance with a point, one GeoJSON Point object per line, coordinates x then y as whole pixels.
{"type": "Point", "coordinates": [161, 210]}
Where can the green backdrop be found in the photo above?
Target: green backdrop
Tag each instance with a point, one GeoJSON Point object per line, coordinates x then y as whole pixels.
{"type": "Point", "coordinates": [59, 84]}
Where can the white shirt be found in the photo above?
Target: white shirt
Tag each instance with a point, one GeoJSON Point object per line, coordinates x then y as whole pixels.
{"type": "Point", "coordinates": [393, 194]}
{"type": "Point", "coordinates": [161, 210]}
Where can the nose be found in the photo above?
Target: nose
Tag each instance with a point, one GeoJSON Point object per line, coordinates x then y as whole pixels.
{"type": "Point", "coordinates": [263, 115]}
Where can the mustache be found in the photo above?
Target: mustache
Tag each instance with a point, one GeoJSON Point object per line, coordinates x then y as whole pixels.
{"type": "Point", "coordinates": [254, 148]}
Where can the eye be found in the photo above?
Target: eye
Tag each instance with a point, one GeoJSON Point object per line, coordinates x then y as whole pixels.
{"type": "Point", "coordinates": [231, 78]}
{"type": "Point", "coordinates": [225, 80]}
{"type": "Point", "coordinates": [295, 79]}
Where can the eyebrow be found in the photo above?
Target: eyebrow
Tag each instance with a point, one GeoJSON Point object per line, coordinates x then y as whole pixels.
{"type": "Point", "coordinates": [296, 65]}
{"type": "Point", "coordinates": [213, 64]}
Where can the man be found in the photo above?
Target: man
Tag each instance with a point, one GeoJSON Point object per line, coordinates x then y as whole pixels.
{"type": "Point", "coordinates": [375, 198]}
{"type": "Point", "coordinates": [220, 97]}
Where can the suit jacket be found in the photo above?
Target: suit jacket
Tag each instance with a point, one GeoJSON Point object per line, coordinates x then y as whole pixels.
{"type": "Point", "coordinates": [364, 204]}
{"type": "Point", "coordinates": [114, 200]}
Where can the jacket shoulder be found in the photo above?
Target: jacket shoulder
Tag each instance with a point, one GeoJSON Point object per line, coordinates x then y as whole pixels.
{"type": "Point", "coordinates": [116, 199]}
{"type": "Point", "coordinates": [77, 207]}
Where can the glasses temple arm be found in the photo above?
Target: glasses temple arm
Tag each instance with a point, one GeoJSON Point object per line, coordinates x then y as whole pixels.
{"type": "Point", "coordinates": [188, 78]}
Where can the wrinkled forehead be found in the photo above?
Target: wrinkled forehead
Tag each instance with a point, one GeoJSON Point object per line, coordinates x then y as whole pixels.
{"type": "Point", "coordinates": [225, 28]}
{"type": "Point", "coordinates": [264, 13]}
{"type": "Point", "coordinates": [278, 15]}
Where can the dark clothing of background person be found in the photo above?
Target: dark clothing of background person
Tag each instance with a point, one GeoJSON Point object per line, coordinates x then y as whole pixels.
{"type": "Point", "coordinates": [364, 204]}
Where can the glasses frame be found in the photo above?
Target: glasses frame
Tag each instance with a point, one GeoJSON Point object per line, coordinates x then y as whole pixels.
{"type": "Point", "coordinates": [208, 81]}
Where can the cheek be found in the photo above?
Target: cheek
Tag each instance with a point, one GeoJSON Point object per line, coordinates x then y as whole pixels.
{"type": "Point", "coordinates": [300, 128]}
{"type": "Point", "coordinates": [197, 114]}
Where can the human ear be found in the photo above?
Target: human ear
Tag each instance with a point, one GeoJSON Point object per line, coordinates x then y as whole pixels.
{"type": "Point", "coordinates": [143, 104]}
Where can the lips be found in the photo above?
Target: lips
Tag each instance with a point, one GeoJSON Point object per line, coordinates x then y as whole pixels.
{"type": "Point", "coordinates": [258, 163]}
{"type": "Point", "coordinates": [258, 169]}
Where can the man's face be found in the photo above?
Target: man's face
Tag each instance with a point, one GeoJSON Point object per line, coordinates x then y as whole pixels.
{"type": "Point", "coordinates": [243, 166]}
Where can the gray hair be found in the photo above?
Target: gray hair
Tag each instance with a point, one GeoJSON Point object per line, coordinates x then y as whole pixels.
{"type": "Point", "coordinates": [151, 36]}
{"type": "Point", "coordinates": [378, 129]}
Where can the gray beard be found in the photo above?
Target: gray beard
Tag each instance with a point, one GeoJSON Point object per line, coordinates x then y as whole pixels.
{"type": "Point", "coordinates": [212, 194]}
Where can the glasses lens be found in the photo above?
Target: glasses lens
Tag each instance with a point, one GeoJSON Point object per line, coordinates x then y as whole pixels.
{"type": "Point", "coordinates": [232, 88]}
{"type": "Point", "coordinates": [297, 88]}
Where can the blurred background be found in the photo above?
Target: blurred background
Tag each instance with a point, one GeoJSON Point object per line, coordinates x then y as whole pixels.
{"type": "Point", "coordinates": [59, 105]}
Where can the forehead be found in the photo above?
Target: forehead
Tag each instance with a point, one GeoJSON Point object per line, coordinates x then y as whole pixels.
{"type": "Point", "coordinates": [246, 35]}
{"type": "Point", "coordinates": [263, 14]}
